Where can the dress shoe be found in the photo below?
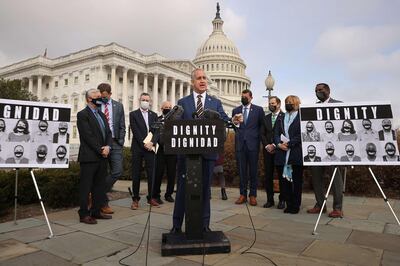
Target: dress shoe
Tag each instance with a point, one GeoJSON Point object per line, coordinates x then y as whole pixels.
{"type": "Point", "coordinates": [316, 210]}
{"type": "Point", "coordinates": [242, 199]}
{"type": "Point", "coordinates": [223, 194]}
{"type": "Point", "coordinates": [102, 216]}
{"type": "Point", "coordinates": [269, 204]}
{"type": "Point", "coordinates": [175, 230]}
{"type": "Point", "coordinates": [169, 198]}
{"type": "Point", "coordinates": [287, 210]}
{"type": "Point", "coordinates": [159, 201]}
{"type": "Point", "coordinates": [336, 214]}
{"type": "Point", "coordinates": [253, 201]}
{"type": "Point", "coordinates": [206, 229]}
{"type": "Point", "coordinates": [107, 210]}
{"type": "Point", "coordinates": [88, 220]}
{"type": "Point", "coordinates": [281, 205]}
{"type": "Point", "coordinates": [135, 205]}
{"type": "Point", "coordinates": [153, 203]}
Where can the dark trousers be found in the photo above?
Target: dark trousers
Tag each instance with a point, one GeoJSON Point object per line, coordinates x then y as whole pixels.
{"type": "Point", "coordinates": [138, 155]}
{"type": "Point", "coordinates": [318, 178]}
{"type": "Point", "coordinates": [269, 177]}
{"type": "Point", "coordinates": [179, 208]}
{"type": "Point", "coordinates": [247, 163]}
{"type": "Point", "coordinates": [115, 161]}
{"type": "Point", "coordinates": [92, 179]}
{"type": "Point", "coordinates": [164, 161]}
{"type": "Point", "coordinates": [292, 190]}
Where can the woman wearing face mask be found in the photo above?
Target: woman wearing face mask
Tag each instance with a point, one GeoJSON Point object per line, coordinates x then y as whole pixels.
{"type": "Point", "coordinates": [20, 132]}
{"type": "Point", "coordinates": [329, 135]}
{"type": "Point", "coordinates": [347, 133]}
{"type": "Point", "coordinates": [3, 134]}
{"type": "Point", "coordinates": [391, 156]}
{"type": "Point", "coordinates": [311, 133]}
{"type": "Point", "coordinates": [289, 157]}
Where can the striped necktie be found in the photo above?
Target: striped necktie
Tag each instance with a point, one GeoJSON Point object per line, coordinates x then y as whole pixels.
{"type": "Point", "coordinates": [107, 113]}
{"type": "Point", "coordinates": [199, 106]}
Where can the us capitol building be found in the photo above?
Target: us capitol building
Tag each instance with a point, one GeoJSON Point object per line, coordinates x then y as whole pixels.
{"type": "Point", "coordinates": [65, 79]}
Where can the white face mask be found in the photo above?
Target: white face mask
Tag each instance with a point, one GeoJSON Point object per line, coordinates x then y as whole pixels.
{"type": "Point", "coordinates": [144, 105]}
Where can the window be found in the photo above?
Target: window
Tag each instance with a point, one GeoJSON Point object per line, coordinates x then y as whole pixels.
{"type": "Point", "coordinates": [56, 84]}
{"type": "Point", "coordinates": [75, 104]}
{"type": "Point", "coordinates": [47, 85]}
{"type": "Point", "coordinates": [131, 81]}
{"type": "Point", "coordinates": [120, 80]}
{"type": "Point", "coordinates": [76, 80]}
{"type": "Point", "coordinates": [65, 82]}
{"type": "Point", "coordinates": [87, 77]}
{"type": "Point", "coordinates": [109, 77]}
{"type": "Point", "coordinates": [74, 132]}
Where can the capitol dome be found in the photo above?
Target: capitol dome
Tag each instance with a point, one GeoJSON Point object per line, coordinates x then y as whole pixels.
{"type": "Point", "coordinates": [219, 57]}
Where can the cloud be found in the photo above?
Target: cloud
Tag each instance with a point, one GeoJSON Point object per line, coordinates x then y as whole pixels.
{"type": "Point", "coordinates": [234, 25]}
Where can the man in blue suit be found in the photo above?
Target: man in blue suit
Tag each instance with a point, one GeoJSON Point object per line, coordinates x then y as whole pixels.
{"type": "Point", "coordinates": [194, 106]}
{"type": "Point", "coordinates": [247, 145]}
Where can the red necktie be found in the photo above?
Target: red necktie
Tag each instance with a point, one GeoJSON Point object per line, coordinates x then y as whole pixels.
{"type": "Point", "coordinates": [106, 113]}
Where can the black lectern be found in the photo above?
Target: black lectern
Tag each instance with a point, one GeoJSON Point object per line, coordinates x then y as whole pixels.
{"type": "Point", "coordinates": [194, 138]}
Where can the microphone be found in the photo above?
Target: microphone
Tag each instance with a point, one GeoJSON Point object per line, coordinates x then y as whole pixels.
{"type": "Point", "coordinates": [211, 114]}
{"type": "Point", "coordinates": [195, 115]}
{"type": "Point", "coordinates": [175, 113]}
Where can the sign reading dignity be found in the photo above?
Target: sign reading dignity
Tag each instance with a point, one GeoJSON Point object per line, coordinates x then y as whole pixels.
{"type": "Point", "coordinates": [348, 134]}
{"type": "Point", "coordinates": [194, 136]}
{"type": "Point", "coordinates": [34, 134]}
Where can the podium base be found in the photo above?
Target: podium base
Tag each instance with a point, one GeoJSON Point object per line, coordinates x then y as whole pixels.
{"type": "Point", "coordinates": [212, 243]}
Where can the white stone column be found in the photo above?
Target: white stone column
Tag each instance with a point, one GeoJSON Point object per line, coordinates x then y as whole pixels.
{"type": "Point", "coordinates": [39, 88]}
{"type": "Point", "coordinates": [125, 98]}
{"type": "Point", "coordinates": [188, 89]}
{"type": "Point", "coordinates": [113, 74]}
{"type": "Point", "coordinates": [232, 87]}
{"type": "Point", "coordinates": [181, 89]}
{"type": "Point", "coordinates": [135, 91]}
{"type": "Point", "coordinates": [145, 83]}
{"type": "Point", "coordinates": [220, 87]}
{"type": "Point", "coordinates": [173, 92]}
{"type": "Point", "coordinates": [226, 87]}
{"type": "Point", "coordinates": [155, 93]}
{"type": "Point", "coordinates": [164, 88]}
{"type": "Point", "coordinates": [30, 86]}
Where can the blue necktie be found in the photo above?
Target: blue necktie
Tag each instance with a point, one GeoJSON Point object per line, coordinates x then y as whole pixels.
{"type": "Point", "coordinates": [101, 123]}
{"type": "Point", "coordinates": [245, 115]}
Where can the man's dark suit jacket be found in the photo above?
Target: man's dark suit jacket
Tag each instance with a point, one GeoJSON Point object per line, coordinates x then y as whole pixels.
{"type": "Point", "coordinates": [249, 133]}
{"type": "Point", "coordinates": [138, 127]}
{"type": "Point", "coordinates": [382, 135]}
{"type": "Point", "coordinates": [267, 130]}
{"type": "Point", "coordinates": [91, 137]}
{"type": "Point", "coordinates": [119, 122]}
{"type": "Point", "coordinates": [307, 159]}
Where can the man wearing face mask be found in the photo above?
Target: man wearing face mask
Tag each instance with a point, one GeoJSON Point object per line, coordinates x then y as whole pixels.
{"type": "Point", "coordinates": [322, 92]}
{"type": "Point", "coordinates": [18, 156]}
{"type": "Point", "coordinates": [391, 156]}
{"type": "Point", "coordinates": [141, 121]}
{"type": "Point", "coordinates": [42, 136]}
{"type": "Point", "coordinates": [311, 134]}
{"type": "Point", "coordinates": [164, 162]}
{"type": "Point", "coordinates": [95, 145]}
{"type": "Point", "coordinates": [367, 133]}
{"type": "Point", "coordinates": [370, 149]}
{"type": "Point", "coordinates": [387, 133]}
{"type": "Point", "coordinates": [61, 153]}
{"type": "Point", "coordinates": [311, 154]}
{"type": "Point", "coordinates": [267, 139]}
{"type": "Point", "coordinates": [62, 136]}
{"type": "Point", "coordinates": [247, 146]}
{"type": "Point", "coordinates": [114, 112]}
{"type": "Point", "coordinates": [41, 154]}
{"type": "Point", "coordinates": [350, 157]}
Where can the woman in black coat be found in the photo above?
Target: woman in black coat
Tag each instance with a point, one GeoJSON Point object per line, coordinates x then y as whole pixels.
{"type": "Point", "coordinates": [289, 157]}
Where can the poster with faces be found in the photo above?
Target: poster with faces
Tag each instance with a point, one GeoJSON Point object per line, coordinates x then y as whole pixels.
{"type": "Point", "coordinates": [348, 134]}
{"type": "Point", "coordinates": [34, 134]}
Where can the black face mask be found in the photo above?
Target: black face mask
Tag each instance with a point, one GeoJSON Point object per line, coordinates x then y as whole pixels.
{"type": "Point", "coordinates": [166, 111]}
{"type": "Point", "coordinates": [2, 128]}
{"type": "Point", "coordinates": [310, 128]}
{"type": "Point", "coordinates": [245, 101]}
{"type": "Point", "coordinates": [289, 107]}
{"type": "Point", "coordinates": [43, 128]}
{"type": "Point", "coordinates": [61, 155]}
{"type": "Point", "coordinates": [18, 154]}
{"type": "Point", "coordinates": [272, 108]}
{"type": "Point", "coordinates": [329, 129]}
{"type": "Point", "coordinates": [390, 152]}
{"type": "Point", "coordinates": [97, 101]}
{"type": "Point", "coordinates": [387, 127]}
{"type": "Point", "coordinates": [367, 126]}
{"type": "Point", "coordinates": [63, 130]}
{"type": "Point", "coordinates": [346, 128]}
{"type": "Point", "coordinates": [20, 128]}
{"type": "Point", "coordinates": [104, 99]}
{"type": "Point", "coordinates": [330, 151]}
{"type": "Point", "coordinates": [350, 153]}
{"type": "Point", "coordinates": [321, 96]}
{"type": "Point", "coordinates": [41, 154]}
{"type": "Point", "coordinates": [371, 153]}
{"type": "Point", "coordinates": [311, 154]}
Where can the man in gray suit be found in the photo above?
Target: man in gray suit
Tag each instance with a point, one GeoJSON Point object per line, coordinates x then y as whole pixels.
{"type": "Point", "coordinates": [114, 113]}
{"type": "Point", "coordinates": [322, 91]}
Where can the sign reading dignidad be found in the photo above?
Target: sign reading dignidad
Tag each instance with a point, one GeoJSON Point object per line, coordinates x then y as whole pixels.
{"type": "Point", "coordinates": [348, 134]}
{"type": "Point", "coordinates": [34, 134]}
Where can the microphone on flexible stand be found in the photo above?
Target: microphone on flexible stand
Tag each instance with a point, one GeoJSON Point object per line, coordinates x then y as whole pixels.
{"type": "Point", "coordinates": [175, 113]}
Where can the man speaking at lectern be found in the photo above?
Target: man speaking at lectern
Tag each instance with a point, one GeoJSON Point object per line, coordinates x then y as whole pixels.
{"type": "Point", "coordinates": [194, 106]}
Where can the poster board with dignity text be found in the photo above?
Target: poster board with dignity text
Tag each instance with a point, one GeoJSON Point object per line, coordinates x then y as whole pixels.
{"type": "Point", "coordinates": [34, 134]}
{"type": "Point", "coordinates": [348, 134]}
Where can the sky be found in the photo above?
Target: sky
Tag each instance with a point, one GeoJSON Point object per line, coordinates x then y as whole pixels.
{"type": "Point", "coordinates": [354, 46]}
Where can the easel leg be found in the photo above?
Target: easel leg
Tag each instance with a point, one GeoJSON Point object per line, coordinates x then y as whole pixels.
{"type": "Point", "coordinates": [384, 196]}
{"type": "Point", "coordinates": [323, 204]}
{"type": "Point", "coordinates": [41, 203]}
{"type": "Point", "coordinates": [344, 179]}
{"type": "Point", "coordinates": [16, 196]}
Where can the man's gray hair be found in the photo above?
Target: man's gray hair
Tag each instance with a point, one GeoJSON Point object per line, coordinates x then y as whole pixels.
{"type": "Point", "coordinates": [90, 91]}
{"type": "Point", "coordinates": [193, 75]}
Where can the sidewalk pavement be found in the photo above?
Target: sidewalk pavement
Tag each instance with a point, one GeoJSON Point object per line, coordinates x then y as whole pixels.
{"type": "Point", "coordinates": [368, 235]}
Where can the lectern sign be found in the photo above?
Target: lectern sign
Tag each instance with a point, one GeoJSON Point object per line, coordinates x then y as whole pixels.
{"type": "Point", "coordinates": [194, 136]}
